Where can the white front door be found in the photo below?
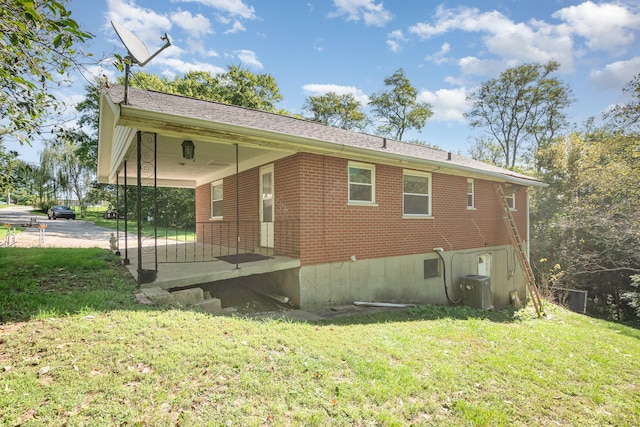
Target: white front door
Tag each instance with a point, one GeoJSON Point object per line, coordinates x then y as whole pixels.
{"type": "Point", "coordinates": [266, 206]}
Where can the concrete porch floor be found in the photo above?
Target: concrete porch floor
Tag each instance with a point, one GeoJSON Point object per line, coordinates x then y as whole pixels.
{"type": "Point", "coordinates": [196, 264]}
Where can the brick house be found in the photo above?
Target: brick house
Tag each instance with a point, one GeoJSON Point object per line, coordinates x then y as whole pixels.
{"type": "Point", "coordinates": [362, 215]}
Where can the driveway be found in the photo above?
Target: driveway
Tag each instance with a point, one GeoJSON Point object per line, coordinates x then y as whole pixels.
{"type": "Point", "coordinates": [59, 233]}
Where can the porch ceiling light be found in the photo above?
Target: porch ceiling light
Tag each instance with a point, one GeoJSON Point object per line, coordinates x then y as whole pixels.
{"type": "Point", "coordinates": [188, 149]}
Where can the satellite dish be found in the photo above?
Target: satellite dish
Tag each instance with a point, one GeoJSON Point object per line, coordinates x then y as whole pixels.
{"type": "Point", "coordinates": [137, 51]}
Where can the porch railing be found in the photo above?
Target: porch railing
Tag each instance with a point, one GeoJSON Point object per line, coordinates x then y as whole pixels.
{"type": "Point", "coordinates": [210, 240]}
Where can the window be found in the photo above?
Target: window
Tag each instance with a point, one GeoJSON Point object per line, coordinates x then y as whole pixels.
{"type": "Point", "coordinates": [362, 181]}
{"type": "Point", "coordinates": [470, 191]}
{"type": "Point", "coordinates": [417, 194]}
{"type": "Point", "coordinates": [216, 200]}
{"type": "Point", "coordinates": [511, 201]}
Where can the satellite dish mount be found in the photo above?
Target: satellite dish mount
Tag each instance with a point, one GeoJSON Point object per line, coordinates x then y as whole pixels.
{"type": "Point", "coordinates": [137, 52]}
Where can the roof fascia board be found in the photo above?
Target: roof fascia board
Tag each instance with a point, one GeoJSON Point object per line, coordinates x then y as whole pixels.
{"type": "Point", "coordinates": [183, 126]}
{"type": "Point", "coordinates": [106, 127]}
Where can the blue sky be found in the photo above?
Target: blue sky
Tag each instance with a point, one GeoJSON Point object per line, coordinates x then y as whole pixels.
{"type": "Point", "coordinates": [446, 48]}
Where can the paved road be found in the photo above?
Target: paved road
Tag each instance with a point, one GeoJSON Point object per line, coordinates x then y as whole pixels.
{"type": "Point", "coordinates": [61, 233]}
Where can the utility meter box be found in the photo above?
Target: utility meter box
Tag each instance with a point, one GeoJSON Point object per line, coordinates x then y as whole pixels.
{"type": "Point", "coordinates": [476, 291]}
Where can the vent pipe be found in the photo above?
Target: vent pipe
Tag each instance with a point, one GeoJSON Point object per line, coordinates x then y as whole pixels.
{"type": "Point", "coordinates": [384, 142]}
{"type": "Point", "coordinates": [449, 156]}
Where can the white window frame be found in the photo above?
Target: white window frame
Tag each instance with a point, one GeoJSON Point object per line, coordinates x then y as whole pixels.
{"type": "Point", "coordinates": [511, 201]}
{"type": "Point", "coordinates": [218, 183]}
{"type": "Point", "coordinates": [471, 194]}
{"type": "Point", "coordinates": [429, 194]}
{"type": "Point", "coordinates": [366, 166]}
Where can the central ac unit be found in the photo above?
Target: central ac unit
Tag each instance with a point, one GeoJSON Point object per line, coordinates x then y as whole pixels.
{"type": "Point", "coordinates": [476, 291]}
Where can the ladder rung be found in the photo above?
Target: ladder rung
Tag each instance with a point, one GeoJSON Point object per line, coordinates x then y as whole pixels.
{"type": "Point", "coordinates": [519, 246]}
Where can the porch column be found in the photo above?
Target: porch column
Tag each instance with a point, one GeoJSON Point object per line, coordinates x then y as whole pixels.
{"type": "Point", "coordinates": [126, 260]}
{"type": "Point", "coordinates": [147, 165]}
{"type": "Point", "coordinates": [117, 213]}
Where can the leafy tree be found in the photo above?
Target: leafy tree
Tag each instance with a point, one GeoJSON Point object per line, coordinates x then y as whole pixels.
{"type": "Point", "coordinates": [87, 132]}
{"type": "Point", "coordinates": [522, 110]}
{"type": "Point", "coordinates": [627, 116]}
{"type": "Point", "coordinates": [485, 150]}
{"type": "Point", "coordinates": [71, 172]}
{"type": "Point", "coordinates": [342, 111]}
{"type": "Point", "coordinates": [8, 164]}
{"type": "Point", "coordinates": [587, 223]}
{"type": "Point", "coordinates": [237, 86]}
{"type": "Point", "coordinates": [38, 46]}
{"type": "Point", "coordinates": [397, 106]}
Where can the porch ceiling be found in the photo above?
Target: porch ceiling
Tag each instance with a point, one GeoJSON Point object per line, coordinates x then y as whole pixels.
{"type": "Point", "coordinates": [211, 161]}
{"type": "Point", "coordinates": [215, 148]}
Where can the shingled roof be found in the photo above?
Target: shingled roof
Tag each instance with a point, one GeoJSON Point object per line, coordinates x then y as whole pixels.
{"type": "Point", "coordinates": [215, 112]}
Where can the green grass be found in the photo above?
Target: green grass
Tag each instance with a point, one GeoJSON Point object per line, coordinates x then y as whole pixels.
{"type": "Point", "coordinates": [95, 217]}
{"type": "Point", "coordinates": [42, 282]}
{"type": "Point", "coordinates": [106, 361]}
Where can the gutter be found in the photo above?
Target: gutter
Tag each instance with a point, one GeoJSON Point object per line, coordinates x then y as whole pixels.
{"type": "Point", "coordinates": [200, 127]}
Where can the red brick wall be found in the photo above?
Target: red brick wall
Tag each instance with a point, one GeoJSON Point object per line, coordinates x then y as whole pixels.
{"type": "Point", "coordinates": [311, 198]}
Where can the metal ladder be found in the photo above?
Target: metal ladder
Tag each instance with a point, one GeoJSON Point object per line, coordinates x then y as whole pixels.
{"type": "Point", "coordinates": [517, 243]}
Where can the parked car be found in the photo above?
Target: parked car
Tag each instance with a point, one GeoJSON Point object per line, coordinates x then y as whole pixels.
{"type": "Point", "coordinates": [56, 212]}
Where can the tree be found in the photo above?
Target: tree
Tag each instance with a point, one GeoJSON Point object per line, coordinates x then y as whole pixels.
{"type": "Point", "coordinates": [71, 172]}
{"type": "Point", "coordinates": [485, 150]}
{"type": "Point", "coordinates": [627, 116]}
{"type": "Point", "coordinates": [237, 87]}
{"type": "Point", "coordinates": [522, 110]}
{"type": "Point", "coordinates": [398, 108]}
{"type": "Point", "coordinates": [38, 47]}
{"type": "Point", "coordinates": [588, 221]}
{"type": "Point", "coordinates": [8, 164]}
{"type": "Point", "coordinates": [87, 132]}
{"type": "Point", "coordinates": [342, 111]}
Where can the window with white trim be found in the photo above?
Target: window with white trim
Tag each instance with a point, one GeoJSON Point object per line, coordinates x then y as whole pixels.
{"type": "Point", "coordinates": [362, 183]}
{"type": "Point", "coordinates": [470, 194]}
{"type": "Point", "coordinates": [416, 194]}
{"type": "Point", "coordinates": [511, 201]}
{"type": "Point", "coordinates": [217, 200]}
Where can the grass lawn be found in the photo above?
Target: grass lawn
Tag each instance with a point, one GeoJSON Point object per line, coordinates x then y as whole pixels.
{"type": "Point", "coordinates": [75, 349]}
{"type": "Point", "coordinates": [95, 216]}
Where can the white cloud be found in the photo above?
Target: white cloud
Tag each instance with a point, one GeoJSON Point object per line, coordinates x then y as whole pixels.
{"type": "Point", "coordinates": [146, 24]}
{"type": "Point", "coordinates": [513, 43]}
{"type": "Point", "coordinates": [195, 25]}
{"type": "Point", "coordinates": [449, 105]}
{"type": "Point", "coordinates": [440, 56]}
{"type": "Point", "coordinates": [176, 66]}
{"type": "Point", "coordinates": [615, 75]}
{"type": "Point", "coordinates": [236, 28]}
{"type": "Point", "coordinates": [470, 65]}
{"type": "Point", "coordinates": [315, 89]}
{"type": "Point", "coordinates": [604, 25]}
{"type": "Point", "coordinates": [365, 10]}
{"type": "Point", "coordinates": [249, 58]}
{"type": "Point", "coordinates": [232, 7]}
{"type": "Point", "coordinates": [395, 40]}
